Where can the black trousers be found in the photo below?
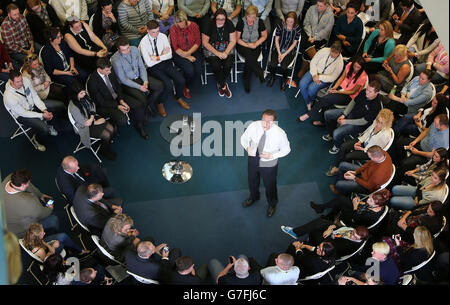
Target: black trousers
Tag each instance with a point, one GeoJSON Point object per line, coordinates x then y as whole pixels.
{"type": "Point", "coordinates": [348, 154]}
{"type": "Point", "coordinates": [251, 61]}
{"type": "Point", "coordinates": [221, 67]}
{"type": "Point", "coordinates": [269, 177]}
{"type": "Point", "coordinates": [156, 88]}
{"type": "Point", "coordinates": [166, 72]}
{"type": "Point", "coordinates": [137, 112]}
{"type": "Point", "coordinates": [283, 65]}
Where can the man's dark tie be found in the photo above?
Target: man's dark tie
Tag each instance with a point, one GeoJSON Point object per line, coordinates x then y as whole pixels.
{"type": "Point", "coordinates": [156, 47]}
{"type": "Point", "coordinates": [110, 88]}
{"type": "Point", "coordinates": [103, 205]}
{"type": "Point", "coordinates": [261, 143]}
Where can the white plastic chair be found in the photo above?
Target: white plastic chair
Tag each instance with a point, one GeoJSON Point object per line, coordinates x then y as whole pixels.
{"type": "Point", "coordinates": [346, 257]}
{"type": "Point", "coordinates": [391, 139]}
{"type": "Point", "coordinates": [444, 223]}
{"type": "Point", "coordinates": [386, 210]}
{"type": "Point", "coordinates": [317, 275]}
{"type": "Point", "coordinates": [96, 241]}
{"type": "Point", "coordinates": [143, 280]}
{"type": "Point", "coordinates": [80, 145]}
{"type": "Point", "coordinates": [291, 66]}
{"type": "Point", "coordinates": [238, 59]}
{"type": "Point", "coordinates": [406, 280]}
{"type": "Point", "coordinates": [421, 265]}
{"type": "Point", "coordinates": [72, 211]}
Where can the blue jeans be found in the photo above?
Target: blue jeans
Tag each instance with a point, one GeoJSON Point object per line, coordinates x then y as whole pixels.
{"type": "Point", "coordinates": [339, 133]}
{"type": "Point", "coordinates": [50, 224]}
{"type": "Point", "coordinates": [406, 126]}
{"type": "Point", "coordinates": [403, 197]}
{"type": "Point", "coordinates": [344, 186]}
{"type": "Point", "coordinates": [436, 79]}
{"type": "Point", "coordinates": [64, 241]}
{"type": "Point", "coordinates": [309, 88]}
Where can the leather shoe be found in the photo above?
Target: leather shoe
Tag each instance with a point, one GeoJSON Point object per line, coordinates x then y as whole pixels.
{"type": "Point", "coordinates": [143, 133]}
{"type": "Point", "coordinates": [316, 207]}
{"type": "Point", "coordinates": [183, 103]}
{"type": "Point", "coordinates": [270, 80]}
{"type": "Point", "coordinates": [333, 189]}
{"type": "Point", "coordinates": [247, 85]}
{"type": "Point", "coordinates": [161, 110]}
{"type": "Point", "coordinates": [270, 211]}
{"type": "Point", "coordinates": [283, 85]}
{"type": "Point", "coordinates": [248, 202]}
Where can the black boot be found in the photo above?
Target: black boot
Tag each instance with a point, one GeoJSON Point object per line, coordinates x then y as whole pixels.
{"type": "Point", "coordinates": [316, 207]}
{"type": "Point", "coordinates": [270, 79]}
{"type": "Point", "coordinates": [247, 83]}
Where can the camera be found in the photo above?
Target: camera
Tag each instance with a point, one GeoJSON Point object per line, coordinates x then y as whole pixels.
{"type": "Point", "coordinates": [49, 203]}
{"type": "Point", "coordinates": [164, 249]}
{"type": "Point", "coordinates": [399, 237]}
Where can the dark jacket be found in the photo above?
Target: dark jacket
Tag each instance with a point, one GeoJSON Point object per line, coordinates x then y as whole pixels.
{"type": "Point", "coordinates": [67, 183]}
{"type": "Point", "coordinates": [409, 25]}
{"type": "Point", "coordinates": [52, 60]}
{"type": "Point", "coordinates": [147, 268]}
{"type": "Point", "coordinates": [97, 26]}
{"type": "Point", "coordinates": [310, 263]}
{"type": "Point", "coordinates": [99, 92]}
{"type": "Point", "coordinates": [37, 25]}
{"type": "Point", "coordinates": [412, 257]}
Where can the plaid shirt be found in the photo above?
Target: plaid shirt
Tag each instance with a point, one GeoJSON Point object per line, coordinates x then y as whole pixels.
{"type": "Point", "coordinates": [16, 35]}
{"type": "Point", "coordinates": [184, 39]}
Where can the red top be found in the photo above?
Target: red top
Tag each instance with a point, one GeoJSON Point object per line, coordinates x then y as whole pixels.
{"type": "Point", "coordinates": [349, 84]}
{"type": "Point", "coordinates": [4, 56]}
{"type": "Point", "coordinates": [179, 36]}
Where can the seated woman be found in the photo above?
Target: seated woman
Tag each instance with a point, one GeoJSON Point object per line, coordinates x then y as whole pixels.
{"type": "Point", "coordinates": [118, 237]}
{"type": "Point", "coordinates": [105, 25]}
{"type": "Point", "coordinates": [59, 62]}
{"type": "Point", "coordinates": [348, 29]}
{"type": "Point", "coordinates": [218, 41]}
{"type": "Point", "coordinates": [376, 134]}
{"type": "Point", "coordinates": [287, 36]}
{"type": "Point", "coordinates": [162, 11]}
{"type": "Point", "coordinates": [405, 222]}
{"type": "Point", "coordinates": [378, 47]}
{"type": "Point", "coordinates": [310, 259]}
{"type": "Point", "coordinates": [413, 124]}
{"type": "Point", "coordinates": [6, 64]}
{"type": "Point", "coordinates": [40, 16]}
{"type": "Point", "coordinates": [431, 41]}
{"type": "Point", "coordinates": [325, 68]}
{"type": "Point", "coordinates": [432, 188]}
{"type": "Point", "coordinates": [396, 70]}
{"type": "Point", "coordinates": [418, 252]}
{"type": "Point", "coordinates": [423, 171]}
{"type": "Point", "coordinates": [415, 95]}
{"type": "Point", "coordinates": [346, 88]}
{"type": "Point", "coordinates": [86, 46]}
{"type": "Point", "coordinates": [57, 272]}
{"type": "Point", "coordinates": [185, 40]}
{"type": "Point", "coordinates": [89, 123]}
{"type": "Point", "coordinates": [438, 60]}
{"type": "Point", "coordinates": [355, 212]}
{"type": "Point", "coordinates": [250, 34]}
{"type": "Point", "coordinates": [45, 88]}
{"type": "Point", "coordinates": [232, 8]}
{"type": "Point", "coordinates": [43, 248]}
{"type": "Point", "coordinates": [346, 240]}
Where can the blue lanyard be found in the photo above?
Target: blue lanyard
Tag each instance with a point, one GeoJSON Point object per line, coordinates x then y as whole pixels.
{"type": "Point", "coordinates": [328, 64]}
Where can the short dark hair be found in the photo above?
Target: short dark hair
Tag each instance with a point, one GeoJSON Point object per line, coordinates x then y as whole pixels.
{"type": "Point", "coordinates": [329, 252]}
{"type": "Point", "coordinates": [14, 74]}
{"type": "Point", "coordinates": [375, 83]}
{"type": "Point", "coordinates": [407, 3]}
{"type": "Point", "coordinates": [183, 263]}
{"type": "Point", "coordinates": [381, 197]}
{"type": "Point", "coordinates": [354, 5]}
{"type": "Point", "coordinates": [103, 3]}
{"type": "Point", "coordinates": [362, 232]}
{"type": "Point", "coordinates": [103, 63]}
{"type": "Point", "coordinates": [86, 275]}
{"type": "Point", "coordinates": [429, 73]}
{"type": "Point", "coordinates": [20, 176]}
{"type": "Point", "coordinates": [93, 190]}
{"type": "Point", "coordinates": [443, 119]}
{"type": "Point", "coordinates": [11, 7]}
{"type": "Point", "coordinates": [52, 33]}
{"type": "Point", "coordinates": [152, 24]}
{"type": "Point", "coordinates": [122, 41]}
{"type": "Point", "coordinates": [270, 112]}
{"type": "Point", "coordinates": [375, 151]}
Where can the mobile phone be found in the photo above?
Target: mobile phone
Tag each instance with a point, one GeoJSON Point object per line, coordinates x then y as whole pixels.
{"type": "Point", "coordinates": [164, 249]}
{"type": "Point", "coordinates": [49, 203]}
{"type": "Point", "coordinates": [230, 259]}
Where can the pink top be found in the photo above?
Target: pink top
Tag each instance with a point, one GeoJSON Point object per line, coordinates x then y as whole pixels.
{"type": "Point", "coordinates": [349, 84]}
{"type": "Point", "coordinates": [440, 57]}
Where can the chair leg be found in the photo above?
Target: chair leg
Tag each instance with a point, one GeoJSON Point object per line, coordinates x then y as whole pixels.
{"type": "Point", "coordinates": [66, 207]}
{"type": "Point", "coordinates": [298, 92]}
{"type": "Point", "coordinates": [34, 275]}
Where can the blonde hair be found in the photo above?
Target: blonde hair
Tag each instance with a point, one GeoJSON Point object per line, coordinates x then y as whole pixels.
{"type": "Point", "coordinates": [401, 49]}
{"type": "Point", "coordinates": [381, 248]}
{"type": "Point", "coordinates": [251, 10]}
{"type": "Point", "coordinates": [423, 239]}
{"type": "Point", "coordinates": [387, 116]}
{"type": "Point", "coordinates": [119, 221]}
{"type": "Point", "coordinates": [179, 16]}
{"type": "Point", "coordinates": [13, 259]}
{"type": "Point", "coordinates": [32, 237]}
{"type": "Point", "coordinates": [388, 29]}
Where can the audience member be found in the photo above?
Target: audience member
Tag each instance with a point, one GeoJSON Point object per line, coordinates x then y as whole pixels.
{"type": "Point", "coordinates": [105, 25]}
{"type": "Point", "coordinates": [424, 170]}
{"type": "Point", "coordinates": [133, 18]}
{"type": "Point", "coordinates": [186, 41]}
{"type": "Point", "coordinates": [406, 20]}
{"type": "Point", "coordinates": [397, 68]}
{"type": "Point", "coordinates": [287, 35]}
{"type": "Point", "coordinates": [283, 7]}
{"type": "Point", "coordinates": [6, 65]}
{"type": "Point", "coordinates": [89, 123]}
{"type": "Point", "coordinates": [196, 10]}
{"type": "Point", "coordinates": [314, 259]}
{"type": "Point", "coordinates": [118, 236]}
{"type": "Point", "coordinates": [378, 47]}
{"type": "Point", "coordinates": [280, 270]}
{"type": "Point", "coordinates": [249, 43]}
{"type": "Point", "coordinates": [59, 61]}
{"type": "Point", "coordinates": [162, 12]}
{"type": "Point", "coordinates": [232, 8]}
{"type": "Point", "coordinates": [355, 118]}
{"type": "Point", "coordinates": [13, 257]}
{"type": "Point", "coordinates": [264, 7]}
{"type": "Point", "coordinates": [431, 41]}
{"type": "Point", "coordinates": [418, 252]}
{"type": "Point", "coordinates": [93, 276]}
{"type": "Point", "coordinates": [22, 204]}
{"type": "Point", "coordinates": [157, 55]}
{"type": "Point", "coordinates": [40, 16]}
{"type": "Point", "coordinates": [185, 273]}
{"type": "Point", "coordinates": [56, 270]}
{"type": "Point", "coordinates": [245, 271]}
{"type": "Point", "coordinates": [65, 9]}
{"type": "Point", "coordinates": [219, 39]}
{"type": "Point", "coordinates": [438, 60]}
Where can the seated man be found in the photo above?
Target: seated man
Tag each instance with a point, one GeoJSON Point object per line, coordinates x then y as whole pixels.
{"type": "Point", "coordinates": [130, 69]}
{"type": "Point", "coordinates": [92, 209]}
{"type": "Point", "coordinates": [151, 262]}
{"type": "Point", "coordinates": [185, 273]}
{"type": "Point", "coordinates": [93, 276]}
{"type": "Point", "coordinates": [282, 273]}
{"type": "Point", "coordinates": [243, 274]}
{"type": "Point", "coordinates": [157, 54]}
{"type": "Point", "coordinates": [104, 87]}
{"type": "Point", "coordinates": [355, 118]}
{"type": "Point", "coordinates": [23, 204]}
{"type": "Point", "coordinates": [70, 175]}
{"type": "Point", "coordinates": [406, 21]}
{"type": "Point", "coordinates": [16, 35]}
{"type": "Point", "coordinates": [24, 103]}
{"type": "Point", "coordinates": [367, 178]}
{"type": "Point", "coordinates": [415, 95]}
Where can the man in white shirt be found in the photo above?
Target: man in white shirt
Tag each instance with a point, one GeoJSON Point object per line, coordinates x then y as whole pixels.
{"type": "Point", "coordinates": [265, 143]}
{"type": "Point", "coordinates": [283, 273]}
{"type": "Point", "coordinates": [157, 54]}
{"type": "Point", "coordinates": [28, 109]}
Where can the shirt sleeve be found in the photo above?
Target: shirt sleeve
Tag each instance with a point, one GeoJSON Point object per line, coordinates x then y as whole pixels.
{"type": "Point", "coordinates": [240, 25]}
{"type": "Point", "coordinates": [285, 148]}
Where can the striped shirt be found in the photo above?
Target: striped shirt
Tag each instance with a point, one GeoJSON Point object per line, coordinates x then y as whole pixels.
{"type": "Point", "coordinates": [16, 35]}
{"type": "Point", "coordinates": [132, 17]}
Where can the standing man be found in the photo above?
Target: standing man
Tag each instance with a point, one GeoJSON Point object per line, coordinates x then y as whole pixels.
{"type": "Point", "coordinates": [265, 142]}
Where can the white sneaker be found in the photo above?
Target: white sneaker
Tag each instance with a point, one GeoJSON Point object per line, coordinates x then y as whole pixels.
{"type": "Point", "coordinates": [52, 131]}
{"type": "Point", "coordinates": [38, 145]}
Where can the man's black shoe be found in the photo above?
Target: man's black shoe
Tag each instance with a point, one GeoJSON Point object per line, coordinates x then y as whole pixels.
{"type": "Point", "coordinates": [283, 85]}
{"type": "Point", "coordinates": [270, 211]}
{"type": "Point", "coordinates": [143, 133]}
{"type": "Point", "coordinates": [247, 85]}
{"type": "Point", "coordinates": [316, 207]}
{"type": "Point", "coordinates": [270, 80]}
{"type": "Point", "coordinates": [248, 202]}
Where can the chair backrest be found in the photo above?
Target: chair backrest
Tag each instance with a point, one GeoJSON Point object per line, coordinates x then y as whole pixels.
{"type": "Point", "coordinates": [354, 253]}
{"type": "Point", "coordinates": [143, 279]}
{"type": "Point", "coordinates": [40, 55]}
{"type": "Point", "coordinates": [35, 257]}
{"type": "Point", "coordinates": [406, 280]}
{"type": "Point", "coordinates": [386, 209]}
{"type": "Point", "coordinates": [317, 275]}
{"type": "Point", "coordinates": [96, 241]}
{"type": "Point", "coordinates": [390, 179]}
{"type": "Point", "coordinates": [62, 194]}
{"type": "Point", "coordinates": [72, 210]}
{"type": "Point", "coordinates": [391, 139]}
{"type": "Point", "coordinates": [91, 21]}
{"type": "Point", "coordinates": [444, 223]}
{"type": "Point", "coordinates": [411, 72]}
{"type": "Point", "coordinates": [72, 121]}
{"type": "Point", "coordinates": [421, 265]}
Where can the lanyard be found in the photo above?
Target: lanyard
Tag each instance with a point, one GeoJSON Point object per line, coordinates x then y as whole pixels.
{"type": "Point", "coordinates": [130, 63]}
{"type": "Point", "coordinates": [186, 37]}
{"type": "Point", "coordinates": [328, 64]}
